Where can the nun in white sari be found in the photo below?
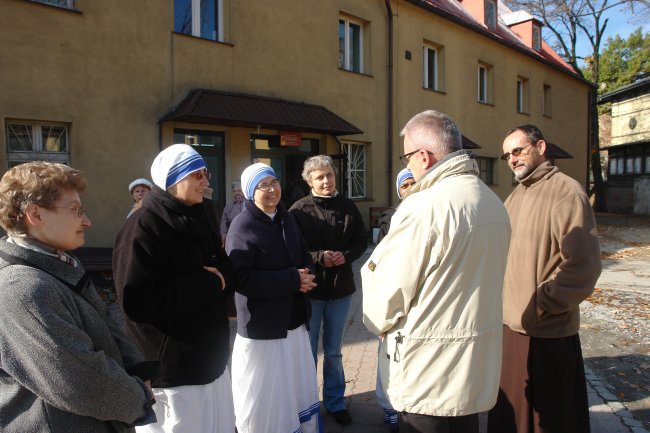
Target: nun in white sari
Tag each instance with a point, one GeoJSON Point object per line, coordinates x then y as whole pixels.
{"type": "Point", "coordinates": [273, 372]}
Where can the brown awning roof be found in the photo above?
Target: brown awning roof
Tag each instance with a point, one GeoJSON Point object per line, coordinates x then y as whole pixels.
{"type": "Point", "coordinates": [469, 144]}
{"type": "Point", "coordinates": [238, 109]}
{"type": "Point", "coordinates": [553, 151]}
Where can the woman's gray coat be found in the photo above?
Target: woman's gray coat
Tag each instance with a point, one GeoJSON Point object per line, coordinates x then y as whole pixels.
{"type": "Point", "coordinates": [62, 361]}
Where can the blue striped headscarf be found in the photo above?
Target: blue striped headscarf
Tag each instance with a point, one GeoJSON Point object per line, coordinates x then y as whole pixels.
{"type": "Point", "coordinates": [174, 163]}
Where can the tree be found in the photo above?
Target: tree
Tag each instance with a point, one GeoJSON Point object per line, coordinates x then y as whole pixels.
{"type": "Point", "coordinates": [622, 61]}
{"type": "Point", "coordinates": [567, 21]}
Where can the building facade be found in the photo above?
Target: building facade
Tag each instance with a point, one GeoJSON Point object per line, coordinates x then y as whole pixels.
{"type": "Point", "coordinates": [104, 86]}
{"type": "Point", "coordinates": [628, 148]}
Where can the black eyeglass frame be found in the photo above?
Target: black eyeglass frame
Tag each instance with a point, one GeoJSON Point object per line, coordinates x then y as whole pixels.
{"type": "Point", "coordinates": [516, 151]}
{"type": "Point", "coordinates": [407, 156]}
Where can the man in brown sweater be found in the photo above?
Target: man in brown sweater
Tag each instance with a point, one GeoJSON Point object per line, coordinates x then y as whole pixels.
{"type": "Point", "coordinates": [553, 265]}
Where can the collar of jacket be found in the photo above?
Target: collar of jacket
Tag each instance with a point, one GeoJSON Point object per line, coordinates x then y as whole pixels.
{"type": "Point", "coordinates": [543, 171]}
{"type": "Point", "coordinates": [323, 200]}
{"type": "Point", "coordinates": [249, 206]}
{"type": "Point", "coordinates": [191, 220]}
{"type": "Point", "coordinates": [456, 163]}
{"type": "Point", "coordinates": [51, 264]}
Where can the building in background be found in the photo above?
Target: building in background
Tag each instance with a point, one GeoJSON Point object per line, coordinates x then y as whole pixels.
{"type": "Point", "coordinates": [628, 148]}
{"type": "Point", "coordinates": [104, 86]}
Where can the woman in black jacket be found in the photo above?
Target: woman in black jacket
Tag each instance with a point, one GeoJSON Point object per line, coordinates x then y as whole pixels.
{"type": "Point", "coordinates": [335, 235]}
{"type": "Point", "coordinates": [273, 373]}
{"type": "Point", "coordinates": [172, 277]}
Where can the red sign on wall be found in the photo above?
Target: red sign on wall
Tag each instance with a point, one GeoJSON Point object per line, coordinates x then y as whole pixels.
{"type": "Point", "coordinates": [290, 139]}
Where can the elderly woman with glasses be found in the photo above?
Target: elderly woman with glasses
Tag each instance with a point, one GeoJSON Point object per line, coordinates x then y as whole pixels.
{"type": "Point", "coordinates": [172, 278]}
{"type": "Point", "coordinates": [64, 364]}
{"type": "Point", "coordinates": [273, 373]}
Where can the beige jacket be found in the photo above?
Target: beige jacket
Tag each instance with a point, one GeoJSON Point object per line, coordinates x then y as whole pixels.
{"type": "Point", "coordinates": [433, 286]}
{"type": "Point", "coordinates": [554, 260]}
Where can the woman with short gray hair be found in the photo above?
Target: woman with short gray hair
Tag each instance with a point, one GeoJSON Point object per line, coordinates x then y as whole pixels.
{"type": "Point", "coordinates": [333, 228]}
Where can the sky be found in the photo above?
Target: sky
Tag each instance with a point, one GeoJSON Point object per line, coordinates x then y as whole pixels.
{"type": "Point", "coordinates": [621, 22]}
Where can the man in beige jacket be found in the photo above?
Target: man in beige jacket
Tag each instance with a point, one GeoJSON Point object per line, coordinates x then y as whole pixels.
{"type": "Point", "coordinates": [432, 287]}
{"type": "Point", "coordinates": [553, 265]}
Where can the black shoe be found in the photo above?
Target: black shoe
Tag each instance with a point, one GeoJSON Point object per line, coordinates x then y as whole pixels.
{"type": "Point", "coordinates": [342, 417]}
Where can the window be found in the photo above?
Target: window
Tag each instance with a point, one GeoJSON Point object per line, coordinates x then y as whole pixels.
{"type": "Point", "coordinates": [490, 14]}
{"type": "Point", "coordinates": [431, 68]}
{"type": "Point", "coordinates": [27, 141]}
{"type": "Point", "coordinates": [350, 45]}
{"type": "Point", "coordinates": [63, 3]}
{"type": "Point", "coordinates": [484, 83]}
{"type": "Point", "coordinates": [547, 101]}
{"type": "Point", "coordinates": [522, 95]}
{"type": "Point", "coordinates": [647, 164]}
{"type": "Point", "coordinates": [200, 18]}
{"type": "Point", "coordinates": [486, 167]}
{"type": "Point", "coordinates": [537, 38]}
{"type": "Point", "coordinates": [612, 167]}
{"type": "Point", "coordinates": [356, 169]}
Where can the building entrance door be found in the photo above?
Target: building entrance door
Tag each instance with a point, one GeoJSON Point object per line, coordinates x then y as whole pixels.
{"type": "Point", "coordinates": [287, 162]}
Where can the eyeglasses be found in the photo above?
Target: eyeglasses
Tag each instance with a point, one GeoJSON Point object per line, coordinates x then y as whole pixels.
{"type": "Point", "coordinates": [79, 210]}
{"type": "Point", "coordinates": [515, 152]}
{"type": "Point", "coordinates": [265, 186]}
{"type": "Point", "coordinates": [199, 174]}
{"type": "Point", "coordinates": [407, 156]}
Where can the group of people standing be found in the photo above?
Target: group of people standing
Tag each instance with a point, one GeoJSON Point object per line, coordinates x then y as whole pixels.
{"type": "Point", "coordinates": [456, 275]}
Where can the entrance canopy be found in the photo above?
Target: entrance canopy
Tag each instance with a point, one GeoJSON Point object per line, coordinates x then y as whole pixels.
{"type": "Point", "coordinates": [238, 109]}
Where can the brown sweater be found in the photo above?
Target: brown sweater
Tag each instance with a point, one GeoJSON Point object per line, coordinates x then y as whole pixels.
{"type": "Point", "coordinates": [554, 258]}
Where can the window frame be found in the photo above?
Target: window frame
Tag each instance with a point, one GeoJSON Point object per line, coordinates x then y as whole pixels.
{"type": "Point", "coordinates": [491, 170]}
{"type": "Point", "coordinates": [346, 64]}
{"type": "Point", "coordinates": [485, 83]}
{"type": "Point", "coordinates": [490, 20]}
{"type": "Point", "coordinates": [547, 101]}
{"type": "Point", "coordinates": [37, 153]}
{"type": "Point", "coordinates": [349, 170]}
{"type": "Point", "coordinates": [436, 67]}
{"type": "Point", "coordinates": [522, 95]}
{"type": "Point", "coordinates": [536, 38]}
{"type": "Point", "coordinates": [195, 24]}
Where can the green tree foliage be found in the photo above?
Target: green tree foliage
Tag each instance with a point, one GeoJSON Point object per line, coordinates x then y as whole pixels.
{"type": "Point", "coordinates": [622, 61]}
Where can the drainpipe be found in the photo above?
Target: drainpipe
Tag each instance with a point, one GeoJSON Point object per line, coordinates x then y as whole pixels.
{"type": "Point", "coordinates": [389, 101]}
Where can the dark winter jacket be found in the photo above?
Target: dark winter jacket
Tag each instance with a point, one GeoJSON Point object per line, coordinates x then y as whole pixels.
{"type": "Point", "coordinates": [175, 309]}
{"type": "Point", "coordinates": [62, 358]}
{"type": "Point", "coordinates": [335, 224]}
{"type": "Point", "coordinates": [267, 255]}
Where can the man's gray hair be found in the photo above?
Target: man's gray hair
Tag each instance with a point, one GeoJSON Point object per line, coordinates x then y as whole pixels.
{"type": "Point", "coordinates": [235, 184]}
{"type": "Point", "coordinates": [316, 163]}
{"type": "Point", "coordinates": [433, 131]}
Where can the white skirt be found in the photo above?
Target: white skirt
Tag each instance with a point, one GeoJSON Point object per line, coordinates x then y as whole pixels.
{"type": "Point", "coordinates": [194, 408]}
{"type": "Point", "coordinates": [274, 385]}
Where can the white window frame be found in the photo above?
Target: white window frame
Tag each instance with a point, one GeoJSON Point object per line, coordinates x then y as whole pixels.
{"type": "Point", "coordinates": [482, 84]}
{"type": "Point", "coordinates": [427, 49]}
{"type": "Point", "coordinates": [37, 153]}
{"type": "Point", "coordinates": [347, 61]}
{"type": "Point", "coordinates": [196, 20]}
{"type": "Point", "coordinates": [350, 169]}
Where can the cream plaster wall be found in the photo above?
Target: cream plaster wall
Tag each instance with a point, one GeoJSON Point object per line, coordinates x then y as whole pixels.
{"type": "Point", "coordinates": [622, 112]}
{"type": "Point", "coordinates": [112, 70]}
